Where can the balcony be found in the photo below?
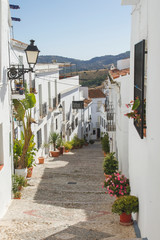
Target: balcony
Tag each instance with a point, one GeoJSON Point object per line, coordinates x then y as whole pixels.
{"type": "Point", "coordinates": [111, 128]}
{"type": "Point", "coordinates": [110, 116]}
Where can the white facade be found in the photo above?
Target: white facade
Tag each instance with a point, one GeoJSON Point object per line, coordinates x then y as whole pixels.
{"type": "Point", "coordinates": [5, 113]}
{"type": "Point", "coordinates": [51, 92]}
{"type": "Point", "coordinates": [123, 63]}
{"type": "Point", "coordinates": [98, 113]}
{"type": "Point", "coordinates": [119, 96]}
{"type": "Point", "coordinates": [144, 153]}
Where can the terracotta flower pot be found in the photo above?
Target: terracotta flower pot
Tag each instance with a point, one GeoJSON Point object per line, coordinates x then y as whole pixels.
{"type": "Point", "coordinates": [66, 150]}
{"type": "Point", "coordinates": [125, 219]}
{"type": "Point", "coordinates": [104, 154]}
{"type": "Point", "coordinates": [54, 153]}
{"type": "Point", "coordinates": [29, 172]}
{"type": "Point", "coordinates": [41, 160]}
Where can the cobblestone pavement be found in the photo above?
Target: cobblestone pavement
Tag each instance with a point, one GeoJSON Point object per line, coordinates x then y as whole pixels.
{"type": "Point", "coordinates": [65, 200]}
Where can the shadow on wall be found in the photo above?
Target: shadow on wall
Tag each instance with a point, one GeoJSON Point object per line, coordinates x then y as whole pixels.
{"type": "Point", "coordinates": [3, 89]}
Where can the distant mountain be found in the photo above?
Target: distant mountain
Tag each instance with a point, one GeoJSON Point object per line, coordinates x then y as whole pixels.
{"type": "Point", "coordinates": [92, 64]}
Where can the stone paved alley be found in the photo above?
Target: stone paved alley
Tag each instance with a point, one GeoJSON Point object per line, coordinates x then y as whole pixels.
{"type": "Point", "coordinates": [65, 200]}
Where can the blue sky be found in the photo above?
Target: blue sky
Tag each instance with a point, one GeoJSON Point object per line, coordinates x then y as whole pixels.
{"type": "Point", "coordinates": [80, 29]}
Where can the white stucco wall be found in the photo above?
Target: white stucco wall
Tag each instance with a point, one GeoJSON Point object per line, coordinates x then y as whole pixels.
{"type": "Point", "coordinates": [6, 172]}
{"type": "Point", "coordinates": [123, 63]}
{"type": "Point", "coordinates": [144, 153]}
{"type": "Point", "coordinates": [96, 115]}
{"type": "Point", "coordinates": [122, 123]}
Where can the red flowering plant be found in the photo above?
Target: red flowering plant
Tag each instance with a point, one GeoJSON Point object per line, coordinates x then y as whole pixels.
{"type": "Point", "coordinates": [117, 185]}
{"type": "Point", "coordinates": [134, 112]}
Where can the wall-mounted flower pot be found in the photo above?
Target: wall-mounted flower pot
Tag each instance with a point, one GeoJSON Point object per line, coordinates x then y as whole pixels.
{"type": "Point", "coordinates": [41, 160]}
{"type": "Point", "coordinates": [55, 153]}
{"type": "Point", "coordinates": [21, 92]}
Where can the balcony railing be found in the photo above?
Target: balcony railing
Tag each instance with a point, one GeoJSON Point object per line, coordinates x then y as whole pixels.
{"type": "Point", "coordinates": [111, 128]}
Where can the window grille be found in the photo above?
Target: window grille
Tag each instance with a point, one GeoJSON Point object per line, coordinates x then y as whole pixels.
{"type": "Point", "coordinates": [39, 139]}
{"type": "Point", "coordinates": [139, 69]}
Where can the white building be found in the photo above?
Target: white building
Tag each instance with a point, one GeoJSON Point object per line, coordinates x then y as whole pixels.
{"type": "Point", "coordinates": [98, 112]}
{"type": "Point", "coordinates": [51, 93]}
{"type": "Point", "coordinates": [118, 97]}
{"type": "Point", "coordinates": [5, 110]}
{"type": "Point", "coordinates": [144, 152]}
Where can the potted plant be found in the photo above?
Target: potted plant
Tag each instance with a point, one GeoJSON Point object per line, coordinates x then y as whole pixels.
{"type": "Point", "coordinates": [110, 164]}
{"type": "Point", "coordinates": [91, 141]}
{"type": "Point", "coordinates": [124, 206]}
{"type": "Point", "coordinates": [23, 109]}
{"type": "Point", "coordinates": [134, 114]}
{"type": "Point", "coordinates": [117, 185]}
{"type": "Point", "coordinates": [31, 157]}
{"type": "Point", "coordinates": [41, 158]}
{"type": "Point", "coordinates": [60, 145]}
{"type": "Point", "coordinates": [67, 146]}
{"type": "Point", "coordinates": [17, 195]}
{"type": "Point", "coordinates": [21, 90]}
{"type": "Point", "coordinates": [105, 144]}
{"type": "Point", "coordinates": [53, 140]}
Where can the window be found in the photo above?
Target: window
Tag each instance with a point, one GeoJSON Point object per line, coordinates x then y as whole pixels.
{"type": "Point", "coordinates": [63, 107]}
{"type": "Point", "coordinates": [94, 132]}
{"type": "Point", "coordinates": [54, 102]}
{"type": "Point", "coordinates": [44, 109]}
{"type": "Point", "coordinates": [76, 121]}
{"type": "Point", "coordinates": [99, 103]}
{"type": "Point", "coordinates": [139, 70]}
{"type": "Point", "coordinates": [39, 139]}
{"type": "Point", "coordinates": [1, 145]}
{"type": "Point", "coordinates": [49, 95]}
{"type": "Point", "coordinates": [56, 124]}
{"type": "Point", "coordinates": [40, 99]}
{"type": "Point", "coordinates": [59, 98]}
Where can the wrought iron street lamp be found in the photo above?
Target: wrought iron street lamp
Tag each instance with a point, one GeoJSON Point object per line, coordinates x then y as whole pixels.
{"type": "Point", "coordinates": [32, 53]}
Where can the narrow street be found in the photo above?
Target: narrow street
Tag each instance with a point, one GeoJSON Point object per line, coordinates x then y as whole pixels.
{"type": "Point", "coordinates": [65, 200]}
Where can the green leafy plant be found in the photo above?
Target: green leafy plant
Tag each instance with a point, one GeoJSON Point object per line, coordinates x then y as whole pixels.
{"type": "Point", "coordinates": [125, 204]}
{"type": "Point", "coordinates": [117, 185]}
{"type": "Point", "coordinates": [134, 105]}
{"type": "Point", "coordinates": [91, 141]}
{"type": "Point", "coordinates": [18, 182]}
{"type": "Point", "coordinates": [53, 138]}
{"type": "Point", "coordinates": [23, 110]}
{"type": "Point", "coordinates": [110, 164]}
{"type": "Point", "coordinates": [60, 142]}
{"type": "Point", "coordinates": [105, 143]}
{"type": "Point", "coordinates": [17, 195]}
{"type": "Point", "coordinates": [68, 145]}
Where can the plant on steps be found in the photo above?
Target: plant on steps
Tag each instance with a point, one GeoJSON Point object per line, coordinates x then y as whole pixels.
{"type": "Point", "coordinates": [110, 164]}
{"type": "Point", "coordinates": [105, 143]}
{"type": "Point", "coordinates": [53, 138]}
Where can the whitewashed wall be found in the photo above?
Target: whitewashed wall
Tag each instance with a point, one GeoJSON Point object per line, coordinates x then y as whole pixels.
{"type": "Point", "coordinates": [96, 116]}
{"type": "Point", "coordinates": [5, 114]}
{"type": "Point", "coordinates": [144, 163]}
{"type": "Point", "coordinates": [122, 123]}
{"type": "Point", "coordinates": [123, 63]}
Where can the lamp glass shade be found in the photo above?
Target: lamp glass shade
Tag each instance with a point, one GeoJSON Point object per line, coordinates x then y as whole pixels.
{"type": "Point", "coordinates": [60, 108]}
{"type": "Point", "coordinates": [32, 53]}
